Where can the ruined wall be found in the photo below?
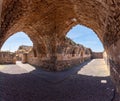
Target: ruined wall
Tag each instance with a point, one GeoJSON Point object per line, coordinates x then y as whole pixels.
{"type": "Point", "coordinates": [112, 42]}
{"type": "Point", "coordinates": [97, 55]}
{"type": "Point", "coordinates": [24, 58]}
{"type": "Point", "coordinates": [21, 50]}
{"type": "Point", "coordinates": [68, 55]}
{"type": "Point", "coordinates": [48, 28]}
{"type": "Point", "coordinates": [7, 58]}
{"type": "Point", "coordinates": [105, 57]}
{"type": "Point", "coordinates": [114, 63]}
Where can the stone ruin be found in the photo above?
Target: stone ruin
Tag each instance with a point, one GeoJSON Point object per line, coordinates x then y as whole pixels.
{"type": "Point", "coordinates": [7, 57]}
{"type": "Point", "coordinates": [22, 50]}
{"type": "Point", "coordinates": [68, 55]}
{"type": "Point", "coordinates": [47, 22]}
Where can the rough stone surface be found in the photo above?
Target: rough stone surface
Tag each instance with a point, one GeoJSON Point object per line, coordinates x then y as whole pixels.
{"type": "Point", "coordinates": [97, 55]}
{"type": "Point", "coordinates": [22, 50]}
{"type": "Point", "coordinates": [7, 57]}
{"type": "Point", "coordinates": [68, 55]}
{"type": "Point", "coordinates": [47, 21]}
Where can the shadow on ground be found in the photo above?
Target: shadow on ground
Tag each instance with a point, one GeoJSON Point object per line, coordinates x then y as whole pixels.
{"type": "Point", "coordinates": [76, 87]}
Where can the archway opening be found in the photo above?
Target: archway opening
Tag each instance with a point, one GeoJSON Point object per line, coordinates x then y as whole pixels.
{"type": "Point", "coordinates": [92, 74]}
{"type": "Point", "coordinates": [15, 50]}
{"type": "Point", "coordinates": [15, 41]}
{"type": "Point", "coordinates": [92, 49]}
{"type": "Point", "coordinates": [87, 37]}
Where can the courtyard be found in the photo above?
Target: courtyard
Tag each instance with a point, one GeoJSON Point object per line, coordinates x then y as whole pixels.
{"type": "Point", "coordinates": [89, 81]}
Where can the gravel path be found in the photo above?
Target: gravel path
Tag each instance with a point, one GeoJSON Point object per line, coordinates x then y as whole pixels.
{"type": "Point", "coordinates": [17, 84]}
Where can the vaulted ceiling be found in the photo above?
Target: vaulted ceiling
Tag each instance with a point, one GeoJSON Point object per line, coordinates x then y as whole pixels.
{"type": "Point", "coordinates": [41, 19]}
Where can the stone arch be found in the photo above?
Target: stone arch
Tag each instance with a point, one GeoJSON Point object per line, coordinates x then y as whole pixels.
{"type": "Point", "coordinates": [38, 43]}
{"type": "Point", "coordinates": [73, 52]}
{"type": "Point", "coordinates": [6, 38]}
{"type": "Point", "coordinates": [74, 25]}
{"type": "Point", "coordinates": [68, 28]}
{"type": "Point", "coordinates": [60, 15]}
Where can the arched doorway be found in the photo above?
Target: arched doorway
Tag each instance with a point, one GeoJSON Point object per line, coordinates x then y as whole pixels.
{"type": "Point", "coordinates": [16, 40]}
{"type": "Point", "coordinates": [87, 37]}
{"type": "Point", "coordinates": [92, 47]}
{"type": "Point", "coordinates": [96, 70]}
{"type": "Point", "coordinates": [15, 46]}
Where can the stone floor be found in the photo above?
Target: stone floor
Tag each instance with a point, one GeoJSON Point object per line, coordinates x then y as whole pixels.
{"type": "Point", "coordinates": [87, 82]}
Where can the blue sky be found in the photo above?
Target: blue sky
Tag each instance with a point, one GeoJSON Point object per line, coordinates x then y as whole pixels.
{"type": "Point", "coordinates": [85, 36]}
{"type": "Point", "coordinates": [13, 42]}
{"type": "Point", "coordinates": [78, 34]}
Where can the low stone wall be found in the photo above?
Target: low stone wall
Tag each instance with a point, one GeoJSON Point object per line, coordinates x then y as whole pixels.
{"type": "Point", "coordinates": [97, 55]}
{"type": "Point", "coordinates": [7, 58]}
{"type": "Point", "coordinates": [61, 62]}
{"type": "Point", "coordinates": [65, 64]}
{"type": "Point", "coordinates": [66, 55]}
{"type": "Point", "coordinates": [58, 66]}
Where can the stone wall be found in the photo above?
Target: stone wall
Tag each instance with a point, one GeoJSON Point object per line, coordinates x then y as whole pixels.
{"type": "Point", "coordinates": [7, 58]}
{"type": "Point", "coordinates": [69, 55]}
{"type": "Point", "coordinates": [97, 55]}
{"type": "Point", "coordinates": [114, 62]}
{"type": "Point", "coordinates": [106, 58]}
{"type": "Point", "coordinates": [21, 50]}
{"type": "Point", "coordinates": [48, 28]}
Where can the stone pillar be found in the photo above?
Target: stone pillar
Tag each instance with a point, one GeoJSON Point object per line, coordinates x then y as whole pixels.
{"type": "Point", "coordinates": [24, 58]}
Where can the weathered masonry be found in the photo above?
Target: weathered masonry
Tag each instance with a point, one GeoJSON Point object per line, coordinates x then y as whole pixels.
{"type": "Point", "coordinates": [68, 55]}
{"type": "Point", "coordinates": [47, 22]}
{"type": "Point", "coordinates": [7, 57]}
